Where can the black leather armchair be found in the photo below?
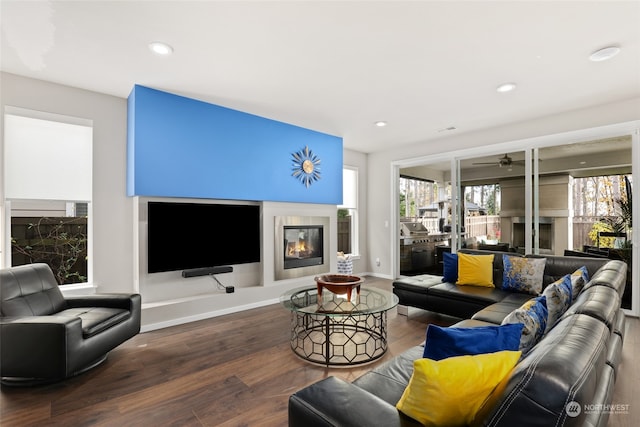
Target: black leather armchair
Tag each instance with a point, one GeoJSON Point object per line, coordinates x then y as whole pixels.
{"type": "Point", "coordinates": [45, 337]}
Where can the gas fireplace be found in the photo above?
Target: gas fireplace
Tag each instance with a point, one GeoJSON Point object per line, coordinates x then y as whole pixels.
{"type": "Point", "coordinates": [301, 246]}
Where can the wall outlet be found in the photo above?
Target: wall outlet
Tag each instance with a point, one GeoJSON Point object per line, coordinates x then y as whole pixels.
{"type": "Point", "coordinates": [378, 262]}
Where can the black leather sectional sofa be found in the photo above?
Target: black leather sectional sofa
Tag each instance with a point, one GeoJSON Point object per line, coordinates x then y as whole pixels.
{"type": "Point", "coordinates": [430, 293]}
{"type": "Point", "coordinates": [575, 363]}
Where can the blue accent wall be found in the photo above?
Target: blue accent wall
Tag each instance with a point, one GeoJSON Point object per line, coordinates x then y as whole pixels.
{"type": "Point", "coordinates": [182, 147]}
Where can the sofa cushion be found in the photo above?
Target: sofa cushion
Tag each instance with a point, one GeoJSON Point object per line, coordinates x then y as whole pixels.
{"type": "Point", "coordinates": [468, 323]}
{"type": "Point", "coordinates": [619, 323]}
{"type": "Point", "coordinates": [335, 402]}
{"type": "Point", "coordinates": [613, 275]}
{"type": "Point", "coordinates": [452, 390]}
{"type": "Point", "coordinates": [533, 315]}
{"type": "Point", "coordinates": [477, 294]}
{"type": "Point", "coordinates": [475, 270]}
{"type": "Point", "coordinates": [614, 351]}
{"type": "Point", "coordinates": [523, 274]}
{"type": "Point", "coordinates": [558, 295]}
{"type": "Point", "coordinates": [599, 302]}
{"type": "Point", "coordinates": [515, 298]}
{"type": "Point", "coordinates": [448, 298]}
{"type": "Point", "coordinates": [96, 319]}
{"type": "Point", "coordinates": [457, 341]}
{"type": "Point", "coordinates": [495, 313]}
{"type": "Point", "coordinates": [450, 267]}
{"type": "Point", "coordinates": [389, 379]}
{"type": "Point", "coordinates": [419, 284]}
{"type": "Point", "coordinates": [29, 290]}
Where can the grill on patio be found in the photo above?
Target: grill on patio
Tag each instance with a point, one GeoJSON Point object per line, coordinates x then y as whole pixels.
{"type": "Point", "coordinates": [418, 248]}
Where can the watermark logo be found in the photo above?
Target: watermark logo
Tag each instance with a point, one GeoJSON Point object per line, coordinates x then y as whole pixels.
{"type": "Point", "coordinates": [608, 408]}
{"type": "Point", "coordinates": [573, 409]}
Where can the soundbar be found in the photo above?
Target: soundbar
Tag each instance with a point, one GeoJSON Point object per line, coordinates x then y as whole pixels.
{"type": "Point", "coordinates": [206, 271]}
{"type": "Point", "coordinates": [210, 271]}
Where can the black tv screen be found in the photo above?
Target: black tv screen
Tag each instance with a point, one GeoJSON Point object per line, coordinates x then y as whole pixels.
{"type": "Point", "coordinates": [181, 236]}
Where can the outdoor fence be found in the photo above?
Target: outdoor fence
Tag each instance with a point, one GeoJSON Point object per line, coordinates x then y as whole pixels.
{"type": "Point", "coordinates": [487, 226]}
{"type": "Point", "coordinates": [344, 235]}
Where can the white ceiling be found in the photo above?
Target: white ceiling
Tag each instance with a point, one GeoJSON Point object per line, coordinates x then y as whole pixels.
{"type": "Point", "coordinates": [339, 66]}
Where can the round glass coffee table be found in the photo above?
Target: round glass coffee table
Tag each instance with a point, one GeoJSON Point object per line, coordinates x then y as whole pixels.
{"type": "Point", "coordinates": [333, 330]}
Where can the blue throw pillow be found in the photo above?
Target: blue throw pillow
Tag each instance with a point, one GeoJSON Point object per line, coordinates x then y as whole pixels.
{"type": "Point", "coordinates": [442, 342]}
{"type": "Point", "coordinates": [450, 267]}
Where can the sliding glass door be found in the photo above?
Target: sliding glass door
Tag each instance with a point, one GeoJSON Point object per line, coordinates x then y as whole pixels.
{"type": "Point", "coordinates": [563, 199]}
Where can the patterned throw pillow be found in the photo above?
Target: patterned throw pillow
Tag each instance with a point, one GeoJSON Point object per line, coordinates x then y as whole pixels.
{"type": "Point", "coordinates": [533, 315]}
{"type": "Point", "coordinates": [523, 274]}
{"type": "Point", "coordinates": [579, 278]}
{"type": "Point", "coordinates": [558, 296]}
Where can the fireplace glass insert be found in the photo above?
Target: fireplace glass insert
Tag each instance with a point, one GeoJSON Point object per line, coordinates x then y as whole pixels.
{"type": "Point", "coordinates": [302, 246]}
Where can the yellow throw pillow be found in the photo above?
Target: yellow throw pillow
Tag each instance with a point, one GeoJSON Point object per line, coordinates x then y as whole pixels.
{"type": "Point", "coordinates": [449, 392]}
{"type": "Point", "coordinates": [476, 270]}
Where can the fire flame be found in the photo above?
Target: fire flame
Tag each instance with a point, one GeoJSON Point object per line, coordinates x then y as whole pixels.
{"type": "Point", "coordinates": [299, 249]}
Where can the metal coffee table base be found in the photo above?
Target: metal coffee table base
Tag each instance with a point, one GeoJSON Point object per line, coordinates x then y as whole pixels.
{"type": "Point", "coordinates": [347, 339]}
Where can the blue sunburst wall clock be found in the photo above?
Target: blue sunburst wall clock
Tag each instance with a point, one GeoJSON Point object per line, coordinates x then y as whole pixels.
{"type": "Point", "coordinates": [306, 166]}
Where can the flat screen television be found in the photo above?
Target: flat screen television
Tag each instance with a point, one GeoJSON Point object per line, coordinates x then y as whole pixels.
{"type": "Point", "coordinates": [182, 236]}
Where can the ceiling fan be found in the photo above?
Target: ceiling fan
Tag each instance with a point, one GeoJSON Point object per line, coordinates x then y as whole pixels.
{"type": "Point", "coordinates": [505, 161]}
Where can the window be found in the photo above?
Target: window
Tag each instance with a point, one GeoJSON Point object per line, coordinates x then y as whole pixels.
{"type": "Point", "coordinates": [418, 197]}
{"type": "Point", "coordinates": [348, 213]}
{"type": "Point", "coordinates": [48, 190]}
{"type": "Point", "coordinates": [52, 232]}
{"type": "Point", "coordinates": [602, 204]}
{"type": "Point", "coordinates": [482, 213]}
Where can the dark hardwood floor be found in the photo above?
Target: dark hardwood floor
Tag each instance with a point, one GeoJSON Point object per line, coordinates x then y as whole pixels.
{"type": "Point", "coordinates": [233, 370]}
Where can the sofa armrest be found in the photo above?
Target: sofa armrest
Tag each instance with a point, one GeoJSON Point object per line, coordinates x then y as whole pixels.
{"type": "Point", "coordinates": [37, 346]}
{"type": "Point", "coordinates": [131, 302]}
{"type": "Point", "coordinates": [334, 402]}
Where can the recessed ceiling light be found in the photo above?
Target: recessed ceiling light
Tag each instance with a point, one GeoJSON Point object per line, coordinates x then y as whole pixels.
{"type": "Point", "coordinates": [604, 53]}
{"type": "Point", "coordinates": [506, 87]}
{"type": "Point", "coordinates": [583, 162]}
{"type": "Point", "coordinates": [380, 124]}
{"type": "Point", "coordinates": [160, 48]}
